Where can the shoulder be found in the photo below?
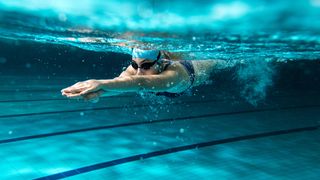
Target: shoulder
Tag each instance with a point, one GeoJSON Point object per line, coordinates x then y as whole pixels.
{"type": "Point", "coordinates": [176, 67]}
{"type": "Point", "coordinates": [172, 64]}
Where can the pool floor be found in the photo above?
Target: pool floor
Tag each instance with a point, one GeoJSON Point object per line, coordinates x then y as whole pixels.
{"type": "Point", "coordinates": [45, 136]}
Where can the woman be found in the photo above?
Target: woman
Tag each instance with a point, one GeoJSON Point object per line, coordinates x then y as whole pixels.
{"type": "Point", "coordinates": [150, 71]}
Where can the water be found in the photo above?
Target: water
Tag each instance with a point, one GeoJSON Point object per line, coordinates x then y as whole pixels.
{"type": "Point", "coordinates": [258, 119]}
{"type": "Point", "coordinates": [212, 30]}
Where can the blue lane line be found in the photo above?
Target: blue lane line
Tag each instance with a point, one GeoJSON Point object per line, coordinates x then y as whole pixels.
{"type": "Point", "coordinates": [4, 141]}
{"type": "Point", "coordinates": [106, 164]}
{"type": "Point", "coordinates": [80, 110]}
{"type": "Point", "coordinates": [58, 112]}
{"type": "Point", "coordinates": [128, 96]}
{"type": "Point", "coordinates": [98, 109]}
{"type": "Point", "coordinates": [69, 111]}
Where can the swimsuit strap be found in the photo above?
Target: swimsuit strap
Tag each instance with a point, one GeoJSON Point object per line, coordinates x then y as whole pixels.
{"type": "Point", "coordinates": [187, 65]}
{"type": "Point", "coordinates": [190, 69]}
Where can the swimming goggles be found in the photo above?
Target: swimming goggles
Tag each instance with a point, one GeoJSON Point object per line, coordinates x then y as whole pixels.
{"type": "Point", "coordinates": [144, 66]}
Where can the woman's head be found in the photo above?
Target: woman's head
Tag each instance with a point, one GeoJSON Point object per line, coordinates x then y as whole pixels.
{"type": "Point", "coordinates": [145, 61]}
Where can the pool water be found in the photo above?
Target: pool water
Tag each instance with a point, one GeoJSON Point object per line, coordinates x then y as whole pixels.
{"type": "Point", "coordinates": [258, 119]}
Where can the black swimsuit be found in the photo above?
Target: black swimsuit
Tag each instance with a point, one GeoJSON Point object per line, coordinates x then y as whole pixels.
{"type": "Point", "coordinates": [190, 69]}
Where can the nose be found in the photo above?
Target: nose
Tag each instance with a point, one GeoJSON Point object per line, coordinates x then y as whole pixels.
{"type": "Point", "coordinates": [140, 71]}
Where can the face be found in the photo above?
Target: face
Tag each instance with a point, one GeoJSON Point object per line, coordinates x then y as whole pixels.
{"type": "Point", "coordinates": [145, 66]}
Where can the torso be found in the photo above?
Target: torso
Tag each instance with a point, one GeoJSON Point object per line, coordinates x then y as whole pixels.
{"type": "Point", "coordinates": [184, 67]}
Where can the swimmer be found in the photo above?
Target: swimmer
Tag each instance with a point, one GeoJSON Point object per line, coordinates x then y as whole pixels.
{"type": "Point", "coordinates": [151, 71]}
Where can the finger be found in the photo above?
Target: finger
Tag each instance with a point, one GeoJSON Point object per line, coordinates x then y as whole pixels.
{"type": "Point", "coordinates": [74, 96]}
{"type": "Point", "coordinates": [88, 91]}
{"type": "Point", "coordinates": [75, 86]}
{"type": "Point", "coordinates": [76, 90]}
{"type": "Point", "coordinates": [68, 88]}
{"type": "Point", "coordinates": [67, 94]}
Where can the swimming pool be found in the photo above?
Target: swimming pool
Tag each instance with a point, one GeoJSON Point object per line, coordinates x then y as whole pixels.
{"type": "Point", "coordinates": [259, 120]}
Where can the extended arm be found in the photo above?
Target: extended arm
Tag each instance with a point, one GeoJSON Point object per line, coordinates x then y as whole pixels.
{"type": "Point", "coordinates": [155, 83]}
{"type": "Point", "coordinates": [172, 80]}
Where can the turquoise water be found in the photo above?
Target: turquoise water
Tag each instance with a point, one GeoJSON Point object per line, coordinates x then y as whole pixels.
{"type": "Point", "coordinates": [256, 120]}
{"type": "Point", "coordinates": [223, 30]}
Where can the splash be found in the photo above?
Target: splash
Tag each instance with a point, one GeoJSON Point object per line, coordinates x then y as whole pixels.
{"type": "Point", "coordinates": [255, 78]}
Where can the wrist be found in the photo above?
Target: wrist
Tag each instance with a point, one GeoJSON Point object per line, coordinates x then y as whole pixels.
{"type": "Point", "coordinates": [104, 84]}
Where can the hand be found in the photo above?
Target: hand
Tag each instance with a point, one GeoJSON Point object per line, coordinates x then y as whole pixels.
{"type": "Point", "coordinates": [80, 89]}
{"type": "Point", "coordinates": [94, 96]}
